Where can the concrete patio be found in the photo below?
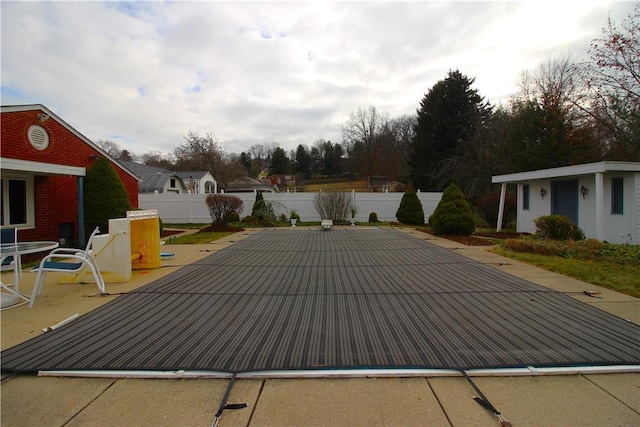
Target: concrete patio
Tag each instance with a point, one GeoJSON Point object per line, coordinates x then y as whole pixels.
{"type": "Point", "coordinates": [582, 399]}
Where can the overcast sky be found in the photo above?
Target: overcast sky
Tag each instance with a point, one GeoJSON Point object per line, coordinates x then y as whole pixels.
{"type": "Point", "coordinates": [143, 74]}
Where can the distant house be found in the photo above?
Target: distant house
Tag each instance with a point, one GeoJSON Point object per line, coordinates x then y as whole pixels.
{"type": "Point", "coordinates": [201, 182]}
{"type": "Point", "coordinates": [282, 181]}
{"type": "Point", "coordinates": [153, 179]}
{"type": "Point", "coordinates": [44, 161]}
{"type": "Point", "coordinates": [378, 183]}
{"type": "Point", "coordinates": [603, 198]}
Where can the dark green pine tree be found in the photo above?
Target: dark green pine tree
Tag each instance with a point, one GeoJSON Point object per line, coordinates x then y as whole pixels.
{"type": "Point", "coordinates": [258, 206]}
{"type": "Point", "coordinates": [449, 116]}
{"type": "Point", "coordinates": [279, 162]}
{"type": "Point", "coordinates": [105, 196]}
{"type": "Point", "coordinates": [410, 210]}
{"type": "Point", "coordinates": [453, 214]}
{"type": "Point", "coordinates": [303, 161]}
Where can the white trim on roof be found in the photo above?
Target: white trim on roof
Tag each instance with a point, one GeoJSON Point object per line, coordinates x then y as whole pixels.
{"type": "Point", "coordinates": [40, 107]}
{"type": "Point", "coordinates": [41, 168]}
{"type": "Point", "coordinates": [585, 169]}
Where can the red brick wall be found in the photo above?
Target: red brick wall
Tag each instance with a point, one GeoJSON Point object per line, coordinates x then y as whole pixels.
{"type": "Point", "coordinates": [56, 197]}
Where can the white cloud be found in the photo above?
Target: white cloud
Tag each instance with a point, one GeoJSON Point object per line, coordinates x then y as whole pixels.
{"type": "Point", "coordinates": [145, 73]}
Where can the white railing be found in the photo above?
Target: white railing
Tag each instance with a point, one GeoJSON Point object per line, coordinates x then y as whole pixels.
{"type": "Point", "coordinates": [187, 208]}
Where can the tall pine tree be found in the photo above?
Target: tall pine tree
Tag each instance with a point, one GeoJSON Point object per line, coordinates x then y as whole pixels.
{"type": "Point", "coordinates": [449, 117]}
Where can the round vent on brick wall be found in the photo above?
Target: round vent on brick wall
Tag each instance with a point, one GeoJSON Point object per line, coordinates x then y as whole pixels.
{"type": "Point", "coordinates": [38, 137]}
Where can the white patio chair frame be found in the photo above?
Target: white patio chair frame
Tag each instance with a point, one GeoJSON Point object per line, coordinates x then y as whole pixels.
{"type": "Point", "coordinates": [75, 261]}
{"type": "Point", "coordinates": [15, 264]}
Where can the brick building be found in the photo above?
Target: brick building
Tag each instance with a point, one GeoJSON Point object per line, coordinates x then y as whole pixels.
{"type": "Point", "coordinates": [43, 162]}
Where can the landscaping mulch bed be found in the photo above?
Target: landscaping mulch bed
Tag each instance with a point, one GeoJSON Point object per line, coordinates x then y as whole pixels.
{"type": "Point", "coordinates": [501, 234]}
{"type": "Point", "coordinates": [220, 227]}
{"type": "Point", "coordinates": [167, 233]}
{"type": "Point", "coordinates": [476, 239]}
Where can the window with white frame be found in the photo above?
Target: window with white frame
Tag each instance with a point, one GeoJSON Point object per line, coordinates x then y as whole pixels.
{"type": "Point", "coordinates": [17, 201]}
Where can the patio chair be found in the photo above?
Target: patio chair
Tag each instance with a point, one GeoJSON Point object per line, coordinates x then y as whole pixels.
{"type": "Point", "coordinates": [66, 260]}
{"type": "Point", "coordinates": [10, 235]}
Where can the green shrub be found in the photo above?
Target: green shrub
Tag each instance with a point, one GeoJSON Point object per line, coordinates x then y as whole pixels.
{"type": "Point", "coordinates": [488, 205]}
{"type": "Point", "coordinates": [294, 215]}
{"type": "Point", "coordinates": [453, 214]}
{"type": "Point", "coordinates": [264, 210]}
{"type": "Point", "coordinates": [232, 217]}
{"type": "Point", "coordinates": [373, 217]}
{"type": "Point", "coordinates": [161, 224]}
{"type": "Point", "coordinates": [282, 218]}
{"type": "Point", "coordinates": [250, 219]}
{"type": "Point", "coordinates": [105, 196]}
{"type": "Point", "coordinates": [587, 249]}
{"type": "Point", "coordinates": [258, 206]}
{"type": "Point", "coordinates": [410, 210]}
{"type": "Point", "coordinates": [533, 245]}
{"type": "Point", "coordinates": [558, 227]}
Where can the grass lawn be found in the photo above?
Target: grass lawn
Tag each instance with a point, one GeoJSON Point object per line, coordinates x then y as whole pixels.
{"type": "Point", "coordinates": [358, 185]}
{"type": "Point", "coordinates": [624, 278]}
{"type": "Point", "coordinates": [198, 238]}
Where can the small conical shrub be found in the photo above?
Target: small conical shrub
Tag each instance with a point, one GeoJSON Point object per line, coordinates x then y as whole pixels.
{"type": "Point", "coordinates": [410, 210]}
{"type": "Point", "coordinates": [258, 206]}
{"type": "Point", "coordinates": [453, 214]}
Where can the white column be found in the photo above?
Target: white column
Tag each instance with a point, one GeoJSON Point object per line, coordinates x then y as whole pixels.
{"type": "Point", "coordinates": [600, 208]}
{"type": "Point", "coordinates": [503, 193]}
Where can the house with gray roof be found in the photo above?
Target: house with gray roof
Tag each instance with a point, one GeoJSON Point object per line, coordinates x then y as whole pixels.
{"type": "Point", "coordinates": [153, 179]}
{"type": "Point", "coordinates": [200, 182]}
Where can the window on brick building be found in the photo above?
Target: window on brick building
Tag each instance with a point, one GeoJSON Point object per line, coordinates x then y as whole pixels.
{"type": "Point", "coordinates": [17, 201]}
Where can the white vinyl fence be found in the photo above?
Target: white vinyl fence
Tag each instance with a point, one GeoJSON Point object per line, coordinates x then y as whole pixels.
{"type": "Point", "coordinates": [187, 208]}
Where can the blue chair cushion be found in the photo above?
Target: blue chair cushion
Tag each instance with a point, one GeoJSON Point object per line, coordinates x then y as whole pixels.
{"type": "Point", "coordinates": [62, 265]}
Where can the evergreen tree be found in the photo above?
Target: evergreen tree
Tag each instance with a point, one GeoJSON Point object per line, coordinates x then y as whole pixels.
{"type": "Point", "coordinates": [332, 158]}
{"type": "Point", "coordinates": [258, 205]}
{"type": "Point", "coordinates": [453, 214]}
{"type": "Point", "coordinates": [279, 163]}
{"type": "Point", "coordinates": [245, 159]}
{"type": "Point", "coordinates": [315, 162]}
{"type": "Point", "coordinates": [410, 210]}
{"type": "Point", "coordinates": [450, 115]}
{"type": "Point", "coordinates": [303, 161]}
{"type": "Point", "coordinates": [105, 196]}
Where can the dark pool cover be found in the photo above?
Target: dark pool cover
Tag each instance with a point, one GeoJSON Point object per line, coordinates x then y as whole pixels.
{"type": "Point", "coordinates": [343, 298]}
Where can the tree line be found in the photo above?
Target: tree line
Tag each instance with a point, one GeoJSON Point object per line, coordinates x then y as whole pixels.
{"type": "Point", "coordinates": [565, 112]}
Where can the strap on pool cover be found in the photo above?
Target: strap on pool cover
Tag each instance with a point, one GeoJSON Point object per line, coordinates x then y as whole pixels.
{"type": "Point", "coordinates": [223, 404]}
{"type": "Point", "coordinates": [484, 402]}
